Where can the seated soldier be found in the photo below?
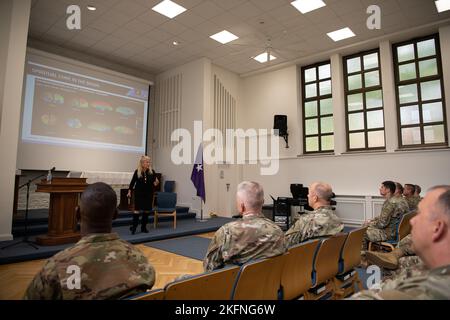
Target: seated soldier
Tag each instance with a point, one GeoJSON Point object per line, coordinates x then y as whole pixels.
{"type": "Point", "coordinates": [390, 260]}
{"type": "Point", "coordinates": [109, 268]}
{"type": "Point", "coordinates": [249, 238]}
{"type": "Point", "coordinates": [318, 223]}
{"type": "Point", "coordinates": [412, 200]}
{"type": "Point", "coordinates": [384, 227]}
{"type": "Point", "coordinates": [398, 189]}
{"type": "Point", "coordinates": [431, 241]}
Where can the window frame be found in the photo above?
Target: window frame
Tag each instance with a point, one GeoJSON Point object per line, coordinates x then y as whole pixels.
{"type": "Point", "coordinates": [363, 91]}
{"type": "Point", "coordinates": [417, 81]}
{"type": "Point", "coordinates": [316, 98]}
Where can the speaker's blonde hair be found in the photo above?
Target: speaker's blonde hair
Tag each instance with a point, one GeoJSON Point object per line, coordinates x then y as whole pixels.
{"type": "Point", "coordinates": [140, 169]}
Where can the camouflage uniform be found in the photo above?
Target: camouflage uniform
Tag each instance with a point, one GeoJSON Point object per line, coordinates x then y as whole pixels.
{"type": "Point", "coordinates": [318, 223]}
{"type": "Point", "coordinates": [413, 202]}
{"type": "Point", "coordinates": [384, 227]}
{"type": "Point", "coordinates": [410, 266]}
{"type": "Point", "coordinates": [110, 268]}
{"type": "Point", "coordinates": [249, 238]}
{"type": "Point", "coordinates": [427, 285]}
{"type": "Point", "coordinates": [405, 245]}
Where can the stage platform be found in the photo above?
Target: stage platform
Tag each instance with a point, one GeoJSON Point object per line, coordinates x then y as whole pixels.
{"type": "Point", "coordinates": [186, 225]}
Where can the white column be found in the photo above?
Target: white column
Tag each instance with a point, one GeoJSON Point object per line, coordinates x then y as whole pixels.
{"type": "Point", "coordinates": [389, 100]}
{"type": "Point", "coordinates": [14, 18]}
{"type": "Point", "coordinates": [337, 85]}
{"type": "Point", "coordinates": [444, 37]}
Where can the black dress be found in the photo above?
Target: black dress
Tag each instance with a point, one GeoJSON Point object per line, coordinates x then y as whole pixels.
{"type": "Point", "coordinates": [143, 189]}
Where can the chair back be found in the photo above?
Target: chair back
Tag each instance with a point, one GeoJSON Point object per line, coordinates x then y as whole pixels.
{"type": "Point", "coordinates": [166, 200]}
{"type": "Point", "coordinates": [296, 274]}
{"type": "Point", "coordinates": [215, 285]}
{"type": "Point", "coordinates": [351, 251]}
{"type": "Point", "coordinates": [259, 280]}
{"type": "Point", "coordinates": [326, 260]}
{"type": "Point", "coordinates": [157, 294]}
{"type": "Point", "coordinates": [404, 227]}
{"type": "Point", "coordinates": [169, 186]}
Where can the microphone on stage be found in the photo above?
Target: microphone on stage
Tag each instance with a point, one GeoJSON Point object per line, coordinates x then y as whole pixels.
{"type": "Point", "coordinates": [52, 169]}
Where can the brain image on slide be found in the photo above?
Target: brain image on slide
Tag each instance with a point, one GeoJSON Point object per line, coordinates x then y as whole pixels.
{"type": "Point", "coordinates": [125, 111]}
{"type": "Point", "coordinates": [80, 103]}
{"type": "Point", "coordinates": [99, 127]}
{"type": "Point", "coordinates": [48, 119]}
{"type": "Point", "coordinates": [74, 123]}
{"type": "Point", "coordinates": [101, 106]}
{"type": "Point", "coordinates": [123, 130]}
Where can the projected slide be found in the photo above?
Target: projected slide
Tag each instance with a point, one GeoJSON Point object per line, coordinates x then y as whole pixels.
{"type": "Point", "coordinates": [63, 107]}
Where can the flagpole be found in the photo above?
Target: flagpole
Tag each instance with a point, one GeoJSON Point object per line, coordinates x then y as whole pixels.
{"type": "Point", "coordinates": [201, 211]}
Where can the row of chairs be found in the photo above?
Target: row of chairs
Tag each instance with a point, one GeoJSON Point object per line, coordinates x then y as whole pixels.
{"type": "Point", "coordinates": [402, 230]}
{"type": "Point", "coordinates": [320, 268]}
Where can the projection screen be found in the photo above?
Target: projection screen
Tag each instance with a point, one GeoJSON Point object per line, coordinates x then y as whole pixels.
{"type": "Point", "coordinates": [80, 117]}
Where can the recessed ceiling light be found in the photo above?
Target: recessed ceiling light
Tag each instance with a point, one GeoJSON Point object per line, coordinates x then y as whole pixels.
{"type": "Point", "coordinates": [442, 5]}
{"type": "Point", "coordinates": [263, 57]}
{"type": "Point", "coordinates": [305, 6]}
{"type": "Point", "coordinates": [91, 8]}
{"type": "Point", "coordinates": [224, 37]}
{"type": "Point", "coordinates": [175, 43]}
{"type": "Point", "coordinates": [169, 8]}
{"type": "Point", "coordinates": [341, 34]}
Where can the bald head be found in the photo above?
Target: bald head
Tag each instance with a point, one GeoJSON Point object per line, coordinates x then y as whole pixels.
{"type": "Point", "coordinates": [250, 197]}
{"type": "Point", "coordinates": [431, 227]}
{"type": "Point", "coordinates": [98, 207]}
{"type": "Point", "coordinates": [319, 194]}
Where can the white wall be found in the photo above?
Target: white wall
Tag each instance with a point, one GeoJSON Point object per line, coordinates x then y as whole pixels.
{"type": "Point", "coordinates": [221, 199]}
{"type": "Point", "coordinates": [14, 16]}
{"type": "Point", "coordinates": [192, 109]}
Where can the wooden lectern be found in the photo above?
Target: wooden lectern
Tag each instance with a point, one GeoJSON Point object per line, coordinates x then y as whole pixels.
{"type": "Point", "coordinates": [62, 222]}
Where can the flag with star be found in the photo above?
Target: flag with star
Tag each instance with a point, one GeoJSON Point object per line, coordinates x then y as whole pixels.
{"type": "Point", "coordinates": [197, 176]}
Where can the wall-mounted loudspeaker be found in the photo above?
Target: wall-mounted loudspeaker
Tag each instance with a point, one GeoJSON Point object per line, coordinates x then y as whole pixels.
{"type": "Point", "coordinates": [280, 123]}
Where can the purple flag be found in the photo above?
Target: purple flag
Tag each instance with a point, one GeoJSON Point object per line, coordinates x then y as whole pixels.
{"type": "Point", "coordinates": [197, 176]}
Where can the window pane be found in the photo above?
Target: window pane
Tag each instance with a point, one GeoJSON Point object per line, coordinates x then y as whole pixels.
{"type": "Point", "coordinates": [311, 109]}
{"type": "Point", "coordinates": [431, 90]}
{"type": "Point", "coordinates": [311, 127]}
{"type": "Point", "coordinates": [355, 102]}
{"type": "Point", "coordinates": [411, 136]}
{"type": "Point", "coordinates": [405, 52]}
{"type": "Point", "coordinates": [407, 71]}
{"type": "Point", "coordinates": [374, 99]}
{"type": "Point", "coordinates": [326, 106]}
{"type": "Point", "coordinates": [327, 143]}
{"type": "Point", "coordinates": [375, 139]}
{"type": "Point", "coordinates": [426, 48]}
{"type": "Point", "coordinates": [357, 140]}
{"type": "Point", "coordinates": [408, 93]}
{"type": "Point", "coordinates": [311, 90]}
{"type": "Point", "coordinates": [372, 79]}
{"type": "Point", "coordinates": [325, 87]}
{"type": "Point", "coordinates": [432, 112]}
{"type": "Point", "coordinates": [325, 71]}
{"type": "Point", "coordinates": [428, 68]}
{"type": "Point", "coordinates": [354, 65]}
{"type": "Point", "coordinates": [326, 125]}
{"type": "Point", "coordinates": [312, 144]}
{"type": "Point", "coordinates": [370, 61]}
{"type": "Point", "coordinates": [354, 82]}
{"type": "Point", "coordinates": [375, 119]}
{"type": "Point", "coordinates": [310, 75]}
{"type": "Point", "coordinates": [434, 134]}
{"type": "Point", "coordinates": [409, 115]}
{"type": "Point", "coordinates": [356, 121]}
